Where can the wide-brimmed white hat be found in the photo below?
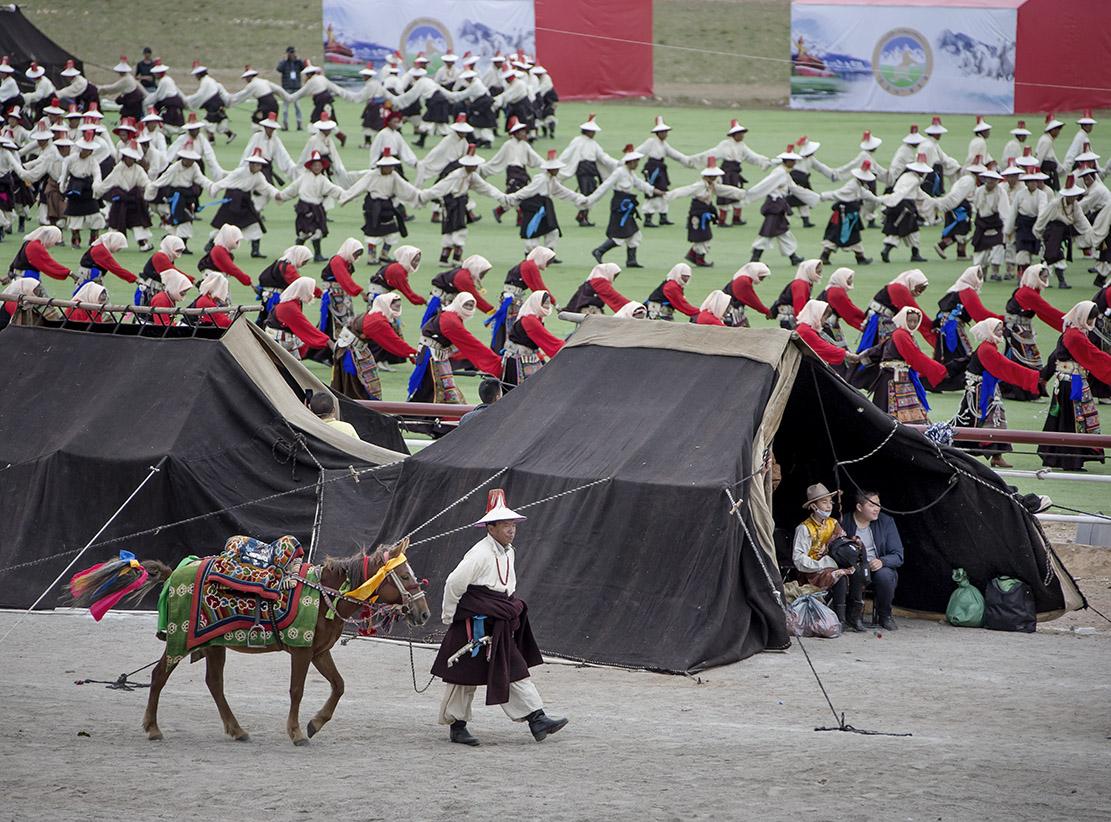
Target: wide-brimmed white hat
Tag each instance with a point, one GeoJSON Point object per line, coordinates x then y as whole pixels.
{"type": "Point", "coordinates": [310, 68]}
{"type": "Point", "coordinates": [514, 125]}
{"type": "Point", "coordinates": [1071, 189]}
{"type": "Point", "coordinates": [449, 57]}
{"type": "Point", "coordinates": [34, 71]}
{"type": "Point", "coordinates": [869, 142]}
{"type": "Point", "coordinates": [590, 125]}
{"type": "Point", "coordinates": [1021, 130]}
{"type": "Point", "coordinates": [188, 151]}
{"type": "Point", "coordinates": [132, 150]}
{"type": "Point", "coordinates": [461, 126]}
{"type": "Point", "coordinates": [123, 65]}
{"type": "Point", "coordinates": [498, 510]}
{"type": "Point", "coordinates": [989, 174]}
{"type": "Point", "coordinates": [864, 173]}
{"type": "Point", "coordinates": [980, 124]}
{"type": "Point", "coordinates": [660, 124]}
{"type": "Point", "coordinates": [630, 154]}
{"type": "Point", "coordinates": [789, 154]}
{"type": "Point", "coordinates": [387, 159]}
{"type": "Point", "coordinates": [368, 70]}
{"type": "Point", "coordinates": [86, 142]}
{"type": "Point", "coordinates": [158, 68]}
{"type": "Point", "coordinates": [806, 146]}
{"type": "Point", "coordinates": [920, 165]}
{"type": "Point", "coordinates": [152, 116]}
{"type": "Point", "coordinates": [553, 162]}
{"type": "Point", "coordinates": [1086, 120]}
{"type": "Point", "coordinates": [198, 68]}
{"type": "Point", "coordinates": [470, 159]}
{"type": "Point", "coordinates": [734, 128]}
{"type": "Point", "coordinates": [935, 127]}
{"type": "Point", "coordinates": [913, 138]}
{"type": "Point", "coordinates": [1052, 122]}
{"type": "Point", "coordinates": [256, 157]}
{"type": "Point", "coordinates": [325, 123]}
{"type": "Point", "coordinates": [69, 71]}
{"type": "Point", "coordinates": [248, 72]}
{"type": "Point", "coordinates": [1011, 168]}
{"type": "Point", "coordinates": [1086, 154]}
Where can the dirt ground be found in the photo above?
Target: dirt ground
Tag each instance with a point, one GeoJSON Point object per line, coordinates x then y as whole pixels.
{"type": "Point", "coordinates": [1003, 726]}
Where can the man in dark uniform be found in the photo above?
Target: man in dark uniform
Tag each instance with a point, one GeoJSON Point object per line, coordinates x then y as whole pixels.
{"type": "Point", "coordinates": [479, 602]}
{"type": "Point", "coordinates": [290, 68]}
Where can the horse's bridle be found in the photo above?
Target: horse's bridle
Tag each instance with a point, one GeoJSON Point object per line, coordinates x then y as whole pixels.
{"type": "Point", "coordinates": [408, 598]}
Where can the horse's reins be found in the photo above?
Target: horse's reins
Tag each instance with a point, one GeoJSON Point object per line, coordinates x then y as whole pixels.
{"type": "Point", "coordinates": [332, 596]}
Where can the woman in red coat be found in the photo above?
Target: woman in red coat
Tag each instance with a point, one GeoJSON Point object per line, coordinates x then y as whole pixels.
{"type": "Point", "coordinates": [93, 293]}
{"type": "Point", "coordinates": [25, 287]}
{"type": "Point", "coordinates": [598, 292]}
{"type": "Point", "coordinates": [742, 294]}
{"type": "Point", "coordinates": [836, 296]}
{"type": "Point", "coordinates": [1027, 302]}
{"type": "Point", "coordinates": [958, 307]}
{"type": "Point", "coordinates": [150, 278]}
{"type": "Point", "coordinates": [220, 258]}
{"type": "Point", "coordinates": [355, 364]}
{"type": "Point", "coordinates": [98, 259]}
{"type": "Point", "coordinates": [33, 259]}
{"type": "Point", "coordinates": [289, 326]}
{"type": "Point", "coordinates": [444, 338]}
{"type": "Point", "coordinates": [337, 308]}
{"type": "Point", "coordinates": [797, 293]}
{"type": "Point", "coordinates": [527, 339]}
{"type": "Point", "coordinates": [982, 403]}
{"type": "Point", "coordinates": [897, 389]}
{"type": "Point", "coordinates": [395, 276]}
{"type": "Point", "coordinates": [670, 296]}
{"type": "Point", "coordinates": [810, 328]}
{"type": "Point", "coordinates": [1072, 408]}
{"type": "Point", "coordinates": [214, 294]}
{"type": "Point", "coordinates": [713, 309]}
{"type": "Point", "coordinates": [174, 286]}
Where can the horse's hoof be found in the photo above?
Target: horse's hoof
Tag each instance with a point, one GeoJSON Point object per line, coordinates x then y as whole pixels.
{"type": "Point", "coordinates": [244, 738]}
{"type": "Point", "coordinates": [312, 729]}
{"type": "Point", "coordinates": [155, 737]}
{"type": "Point", "coordinates": [300, 743]}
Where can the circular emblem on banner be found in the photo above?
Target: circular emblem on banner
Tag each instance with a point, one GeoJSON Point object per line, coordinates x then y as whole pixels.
{"type": "Point", "coordinates": [902, 62]}
{"type": "Point", "coordinates": [425, 34]}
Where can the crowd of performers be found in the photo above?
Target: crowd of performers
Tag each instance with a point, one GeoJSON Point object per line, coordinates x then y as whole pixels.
{"type": "Point", "coordinates": [61, 168]}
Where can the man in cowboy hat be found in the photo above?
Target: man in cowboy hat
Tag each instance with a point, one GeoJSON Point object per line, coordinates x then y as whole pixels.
{"type": "Point", "coordinates": [810, 553]}
{"type": "Point", "coordinates": [479, 601]}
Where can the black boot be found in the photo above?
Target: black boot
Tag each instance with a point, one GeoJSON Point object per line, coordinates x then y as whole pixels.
{"type": "Point", "coordinates": [757, 253]}
{"type": "Point", "coordinates": [1061, 280]}
{"type": "Point", "coordinates": [916, 257]}
{"type": "Point", "coordinates": [862, 260]}
{"type": "Point", "coordinates": [648, 221]}
{"type": "Point", "coordinates": [839, 610]}
{"type": "Point", "coordinates": [856, 617]}
{"type": "Point", "coordinates": [445, 253]}
{"type": "Point", "coordinates": [631, 258]}
{"type": "Point", "coordinates": [885, 255]}
{"type": "Point", "coordinates": [22, 225]}
{"type": "Point", "coordinates": [421, 139]}
{"type": "Point", "coordinates": [317, 257]}
{"type": "Point", "coordinates": [795, 259]}
{"type": "Point", "coordinates": [665, 221]}
{"type": "Point", "coordinates": [887, 622]}
{"type": "Point", "coordinates": [825, 257]}
{"type": "Point", "coordinates": [541, 725]}
{"type": "Point", "coordinates": [806, 223]}
{"type": "Point", "coordinates": [460, 734]}
{"type": "Point", "coordinates": [255, 249]}
{"type": "Point", "coordinates": [583, 219]}
{"type": "Point", "coordinates": [602, 249]}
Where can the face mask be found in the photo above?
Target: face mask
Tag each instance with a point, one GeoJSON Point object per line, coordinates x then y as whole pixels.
{"type": "Point", "coordinates": [818, 514]}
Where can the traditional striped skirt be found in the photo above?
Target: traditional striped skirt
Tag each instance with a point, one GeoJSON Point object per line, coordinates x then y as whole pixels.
{"type": "Point", "coordinates": [902, 399]}
{"type": "Point", "coordinates": [1022, 342]}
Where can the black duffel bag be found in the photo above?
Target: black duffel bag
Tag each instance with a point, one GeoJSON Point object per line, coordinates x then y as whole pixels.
{"type": "Point", "coordinates": [1009, 606]}
{"type": "Point", "coordinates": [849, 553]}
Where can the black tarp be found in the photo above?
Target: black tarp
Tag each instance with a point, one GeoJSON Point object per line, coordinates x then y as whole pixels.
{"type": "Point", "coordinates": [84, 416]}
{"type": "Point", "coordinates": [650, 569]}
{"type": "Point", "coordinates": [23, 43]}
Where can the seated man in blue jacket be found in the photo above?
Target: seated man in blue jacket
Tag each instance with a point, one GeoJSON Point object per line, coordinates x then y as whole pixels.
{"type": "Point", "coordinates": [880, 537]}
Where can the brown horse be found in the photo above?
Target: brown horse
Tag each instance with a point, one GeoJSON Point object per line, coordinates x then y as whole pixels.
{"type": "Point", "coordinates": [400, 587]}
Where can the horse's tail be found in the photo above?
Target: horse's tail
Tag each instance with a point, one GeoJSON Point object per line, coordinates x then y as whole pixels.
{"type": "Point", "coordinates": [103, 586]}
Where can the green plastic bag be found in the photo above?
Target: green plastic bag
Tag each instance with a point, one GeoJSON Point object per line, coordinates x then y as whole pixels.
{"type": "Point", "coordinates": [966, 605]}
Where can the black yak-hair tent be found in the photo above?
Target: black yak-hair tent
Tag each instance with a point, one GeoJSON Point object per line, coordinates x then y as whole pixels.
{"type": "Point", "coordinates": [85, 415]}
{"type": "Point", "coordinates": [651, 431]}
{"type": "Point", "coordinates": [22, 43]}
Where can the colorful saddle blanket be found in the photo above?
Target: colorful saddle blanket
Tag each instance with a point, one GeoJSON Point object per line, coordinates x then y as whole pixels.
{"type": "Point", "coordinates": [253, 567]}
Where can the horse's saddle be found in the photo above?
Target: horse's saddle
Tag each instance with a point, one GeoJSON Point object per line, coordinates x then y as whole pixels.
{"type": "Point", "coordinates": [255, 567]}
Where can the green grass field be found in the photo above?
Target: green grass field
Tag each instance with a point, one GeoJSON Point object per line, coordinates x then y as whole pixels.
{"type": "Point", "coordinates": [694, 130]}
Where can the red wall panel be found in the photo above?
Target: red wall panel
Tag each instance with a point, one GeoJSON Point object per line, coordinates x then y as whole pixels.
{"type": "Point", "coordinates": [582, 45]}
{"type": "Point", "coordinates": [1061, 55]}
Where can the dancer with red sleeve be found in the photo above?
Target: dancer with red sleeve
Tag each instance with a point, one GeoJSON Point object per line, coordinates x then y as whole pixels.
{"type": "Point", "coordinates": [443, 338]}
{"type": "Point", "coordinates": [713, 309]}
{"type": "Point", "coordinates": [395, 276]}
{"type": "Point", "coordinates": [959, 306]}
{"type": "Point", "coordinates": [810, 322]}
{"type": "Point", "coordinates": [336, 308]}
{"type": "Point", "coordinates": [742, 294]}
{"type": "Point", "coordinates": [150, 280]}
{"type": "Point", "coordinates": [279, 275]}
{"type": "Point", "coordinates": [797, 293]}
{"type": "Point", "coordinates": [1025, 303]}
{"type": "Point", "coordinates": [33, 259]}
{"type": "Point", "coordinates": [982, 405]}
{"type": "Point", "coordinates": [220, 258]}
{"type": "Point", "coordinates": [897, 389]}
{"type": "Point", "coordinates": [670, 296]}
{"type": "Point", "coordinates": [598, 292]}
{"type": "Point", "coordinates": [527, 338]}
{"type": "Point", "coordinates": [355, 364]}
{"type": "Point", "coordinates": [289, 326]}
{"type": "Point", "coordinates": [174, 286]}
{"type": "Point", "coordinates": [214, 294]}
{"type": "Point", "coordinates": [90, 292]}
{"type": "Point", "coordinates": [836, 295]}
{"type": "Point", "coordinates": [1072, 408]}
{"type": "Point", "coordinates": [98, 259]}
{"type": "Point", "coordinates": [521, 280]}
{"type": "Point", "coordinates": [467, 279]}
{"type": "Point", "coordinates": [878, 322]}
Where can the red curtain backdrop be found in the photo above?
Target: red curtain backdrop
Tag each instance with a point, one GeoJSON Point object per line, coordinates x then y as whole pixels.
{"type": "Point", "coordinates": [1063, 44]}
{"type": "Point", "coordinates": [583, 65]}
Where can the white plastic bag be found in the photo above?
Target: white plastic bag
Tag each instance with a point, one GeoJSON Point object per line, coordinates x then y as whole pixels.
{"type": "Point", "coordinates": [809, 616]}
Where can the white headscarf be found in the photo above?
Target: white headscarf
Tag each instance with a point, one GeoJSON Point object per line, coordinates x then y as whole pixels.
{"type": "Point", "coordinates": [1078, 316]}
{"type": "Point", "coordinates": [1035, 276]}
{"type": "Point", "coordinates": [678, 272]}
{"type": "Point", "coordinates": [478, 266]}
{"type": "Point", "coordinates": [809, 271]}
{"type": "Point", "coordinates": [904, 313]}
{"type": "Point", "coordinates": [534, 305]}
{"type": "Point", "coordinates": [229, 236]}
{"type": "Point", "coordinates": [409, 257]}
{"type": "Point", "coordinates": [628, 310]}
{"type": "Point", "coordinates": [812, 314]}
{"type": "Point", "coordinates": [911, 279]}
{"type": "Point", "coordinates": [460, 305]}
{"type": "Point", "coordinates": [48, 235]}
{"type": "Point", "coordinates": [973, 277]}
{"type": "Point", "coordinates": [604, 271]}
{"type": "Point", "coordinates": [989, 330]}
{"type": "Point", "coordinates": [176, 283]}
{"type": "Point", "coordinates": [25, 287]}
{"type": "Point", "coordinates": [384, 304]}
{"type": "Point", "coordinates": [541, 255]}
{"type": "Point", "coordinates": [348, 248]}
{"type": "Point", "coordinates": [172, 246]}
{"type": "Point", "coordinates": [296, 255]}
{"type": "Point", "coordinates": [302, 289]}
{"type": "Point", "coordinates": [717, 303]}
{"type": "Point", "coordinates": [754, 271]}
{"type": "Point", "coordinates": [112, 240]}
{"type": "Point", "coordinates": [215, 285]}
{"type": "Point", "coordinates": [842, 278]}
{"type": "Point", "coordinates": [92, 292]}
